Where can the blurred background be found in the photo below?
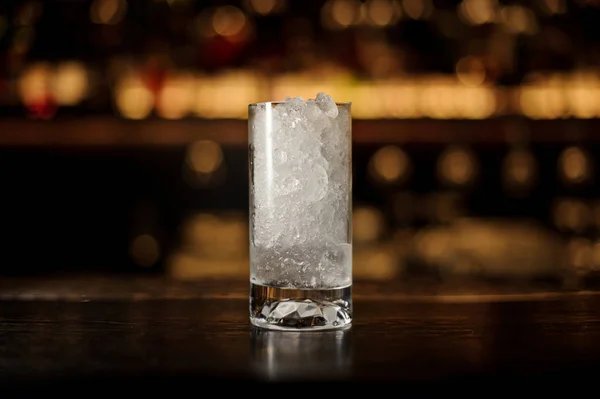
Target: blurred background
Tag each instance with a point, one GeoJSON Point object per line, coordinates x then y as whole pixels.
{"type": "Point", "coordinates": [123, 134]}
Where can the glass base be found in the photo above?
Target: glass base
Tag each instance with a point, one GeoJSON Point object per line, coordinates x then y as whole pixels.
{"type": "Point", "coordinates": [300, 309]}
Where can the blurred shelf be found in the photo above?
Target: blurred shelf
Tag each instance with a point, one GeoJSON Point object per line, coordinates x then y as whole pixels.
{"type": "Point", "coordinates": [106, 131]}
{"type": "Point", "coordinates": [114, 132]}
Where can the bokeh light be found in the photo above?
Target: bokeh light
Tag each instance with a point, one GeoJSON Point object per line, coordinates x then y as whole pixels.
{"type": "Point", "coordinates": [519, 20]}
{"type": "Point", "coordinates": [133, 98]}
{"type": "Point", "coordinates": [478, 12]}
{"type": "Point", "coordinates": [145, 250]}
{"type": "Point", "coordinates": [471, 71]}
{"type": "Point", "coordinates": [343, 12]}
{"type": "Point", "coordinates": [228, 21]}
{"type": "Point", "coordinates": [580, 255]}
{"type": "Point", "coordinates": [417, 9]}
{"type": "Point", "coordinates": [35, 91]}
{"type": "Point", "coordinates": [368, 224]}
{"type": "Point", "coordinates": [519, 169]}
{"type": "Point", "coordinates": [574, 165]}
{"type": "Point", "coordinates": [265, 7]}
{"type": "Point", "coordinates": [204, 156]}
{"type": "Point", "coordinates": [34, 83]}
{"type": "Point", "coordinates": [176, 96]}
{"type": "Point", "coordinates": [383, 12]}
{"type": "Point", "coordinates": [572, 215]}
{"type": "Point", "coordinates": [389, 164]}
{"type": "Point", "coordinates": [443, 208]}
{"type": "Point", "coordinates": [208, 234]}
{"type": "Point", "coordinates": [225, 95]}
{"type": "Point", "coordinates": [552, 7]}
{"type": "Point", "coordinates": [108, 12]}
{"type": "Point", "coordinates": [70, 83]}
{"type": "Point", "coordinates": [457, 166]}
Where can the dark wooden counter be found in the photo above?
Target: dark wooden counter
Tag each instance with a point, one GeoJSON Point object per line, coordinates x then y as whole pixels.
{"type": "Point", "coordinates": [198, 333]}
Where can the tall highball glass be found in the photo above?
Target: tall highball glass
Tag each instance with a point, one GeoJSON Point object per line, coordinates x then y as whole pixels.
{"type": "Point", "coordinates": [300, 164]}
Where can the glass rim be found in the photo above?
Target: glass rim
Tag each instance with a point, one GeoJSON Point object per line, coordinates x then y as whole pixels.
{"type": "Point", "coordinates": [339, 104]}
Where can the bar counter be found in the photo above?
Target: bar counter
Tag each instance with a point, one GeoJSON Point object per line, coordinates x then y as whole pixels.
{"type": "Point", "coordinates": [150, 333]}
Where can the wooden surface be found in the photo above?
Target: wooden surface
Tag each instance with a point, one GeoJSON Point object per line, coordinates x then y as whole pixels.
{"type": "Point", "coordinates": [132, 338]}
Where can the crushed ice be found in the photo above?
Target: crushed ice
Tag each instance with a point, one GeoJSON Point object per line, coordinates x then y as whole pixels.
{"type": "Point", "coordinates": [301, 193]}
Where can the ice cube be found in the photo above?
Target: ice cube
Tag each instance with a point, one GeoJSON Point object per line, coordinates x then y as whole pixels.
{"type": "Point", "coordinates": [327, 105]}
{"type": "Point", "coordinates": [295, 104]}
{"type": "Point", "coordinates": [315, 184]}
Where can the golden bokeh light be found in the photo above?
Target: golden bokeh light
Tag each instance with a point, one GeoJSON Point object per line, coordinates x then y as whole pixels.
{"type": "Point", "coordinates": [265, 7]}
{"type": "Point", "coordinates": [467, 94]}
{"type": "Point", "coordinates": [439, 97]}
{"type": "Point", "coordinates": [381, 12]}
{"type": "Point", "coordinates": [225, 95]}
{"type": "Point", "coordinates": [574, 165]}
{"type": "Point", "coordinates": [34, 83]}
{"type": "Point", "coordinates": [345, 12]}
{"type": "Point", "coordinates": [108, 12]}
{"type": "Point", "coordinates": [433, 245]}
{"type": "Point", "coordinates": [457, 166]}
{"type": "Point", "coordinates": [223, 236]}
{"type": "Point", "coordinates": [376, 263]}
{"type": "Point", "coordinates": [70, 83]}
{"type": "Point", "coordinates": [543, 101]}
{"type": "Point", "coordinates": [519, 20]}
{"type": "Point", "coordinates": [417, 9]}
{"type": "Point", "coordinates": [572, 215]}
{"type": "Point", "coordinates": [477, 102]}
{"type": "Point", "coordinates": [519, 168]}
{"type": "Point", "coordinates": [204, 156]}
{"type": "Point", "coordinates": [144, 250]}
{"type": "Point", "coordinates": [368, 225]}
{"type": "Point", "coordinates": [133, 99]}
{"type": "Point", "coordinates": [176, 97]}
{"type": "Point", "coordinates": [400, 101]}
{"type": "Point", "coordinates": [199, 230]}
{"type": "Point", "coordinates": [443, 207]}
{"type": "Point", "coordinates": [552, 7]}
{"type": "Point", "coordinates": [478, 12]}
{"type": "Point", "coordinates": [228, 21]}
{"type": "Point", "coordinates": [389, 164]}
{"type": "Point", "coordinates": [580, 254]}
{"type": "Point", "coordinates": [584, 101]}
{"type": "Point", "coordinates": [470, 71]}
{"type": "Point", "coordinates": [438, 101]}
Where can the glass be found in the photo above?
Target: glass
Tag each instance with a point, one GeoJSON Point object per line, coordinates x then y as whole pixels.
{"type": "Point", "coordinates": [300, 158]}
